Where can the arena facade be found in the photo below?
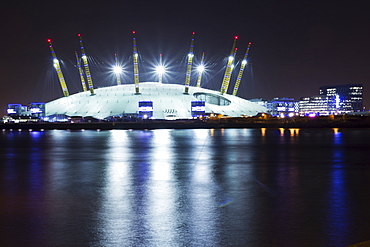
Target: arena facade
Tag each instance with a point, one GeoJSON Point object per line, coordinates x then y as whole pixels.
{"type": "Point", "coordinates": [164, 101]}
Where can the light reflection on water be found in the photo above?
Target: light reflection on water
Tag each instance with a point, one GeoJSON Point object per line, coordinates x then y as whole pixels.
{"type": "Point", "coordinates": [217, 187]}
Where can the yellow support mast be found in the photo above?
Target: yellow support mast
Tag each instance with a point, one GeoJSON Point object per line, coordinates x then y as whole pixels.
{"type": "Point", "coordinates": [86, 66]}
{"type": "Point", "coordinates": [227, 76]}
{"type": "Point", "coordinates": [161, 69]}
{"type": "Point", "coordinates": [58, 70]}
{"type": "Point", "coordinates": [244, 63]}
{"type": "Point", "coordinates": [118, 72]}
{"type": "Point", "coordinates": [80, 72]}
{"type": "Point", "coordinates": [190, 62]}
{"type": "Point", "coordinates": [136, 63]}
{"type": "Point", "coordinates": [200, 70]}
{"type": "Point", "coordinates": [233, 65]}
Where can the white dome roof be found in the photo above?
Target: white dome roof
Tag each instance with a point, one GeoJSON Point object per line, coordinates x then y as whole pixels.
{"type": "Point", "coordinates": [168, 99]}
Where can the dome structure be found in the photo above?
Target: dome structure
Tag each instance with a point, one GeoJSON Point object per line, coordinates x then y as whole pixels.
{"type": "Point", "coordinates": [155, 100]}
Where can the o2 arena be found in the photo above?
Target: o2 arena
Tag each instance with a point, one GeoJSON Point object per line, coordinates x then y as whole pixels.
{"type": "Point", "coordinates": [154, 100]}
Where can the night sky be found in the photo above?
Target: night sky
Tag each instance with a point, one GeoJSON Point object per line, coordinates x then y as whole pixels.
{"type": "Point", "coordinates": [296, 46]}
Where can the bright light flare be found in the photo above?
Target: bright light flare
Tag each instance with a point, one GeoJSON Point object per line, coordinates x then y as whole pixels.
{"type": "Point", "coordinates": [160, 69]}
{"type": "Point", "coordinates": [244, 62]}
{"type": "Point", "coordinates": [117, 69]}
{"type": "Point", "coordinates": [201, 68]}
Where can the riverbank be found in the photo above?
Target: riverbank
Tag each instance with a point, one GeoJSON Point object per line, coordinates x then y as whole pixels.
{"type": "Point", "coordinates": [251, 122]}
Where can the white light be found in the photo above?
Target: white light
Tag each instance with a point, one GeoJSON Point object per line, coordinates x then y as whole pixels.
{"type": "Point", "coordinates": [200, 68]}
{"type": "Point", "coordinates": [145, 108]}
{"type": "Point", "coordinates": [36, 110]}
{"type": "Point", "coordinates": [231, 58]}
{"type": "Point", "coordinates": [160, 69]}
{"type": "Point", "coordinates": [84, 57]}
{"type": "Point", "coordinates": [55, 60]}
{"type": "Point", "coordinates": [117, 69]}
{"type": "Point", "coordinates": [337, 101]}
{"type": "Point", "coordinates": [244, 62]}
{"type": "Point", "coordinates": [198, 108]}
{"type": "Point", "coordinates": [191, 55]}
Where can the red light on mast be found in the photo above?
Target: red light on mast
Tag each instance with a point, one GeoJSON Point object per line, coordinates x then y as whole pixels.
{"type": "Point", "coordinates": [249, 43]}
{"type": "Point", "coordinates": [236, 37]}
{"type": "Point", "coordinates": [49, 40]}
{"type": "Point", "coordinates": [79, 35]}
{"type": "Point", "coordinates": [133, 32]}
{"type": "Point", "coordinates": [193, 32]}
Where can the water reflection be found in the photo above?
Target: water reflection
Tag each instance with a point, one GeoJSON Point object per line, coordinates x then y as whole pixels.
{"type": "Point", "coordinates": [338, 226]}
{"type": "Point", "coordinates": [218, 187]}
{"type": "Point", "coordinates": [294, 132]}
{"type": "Point", "coordinates": [162, 198]}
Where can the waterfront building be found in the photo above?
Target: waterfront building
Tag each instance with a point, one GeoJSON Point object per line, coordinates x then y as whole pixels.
{"type": "Point", "coordinates": [17, 110]}
{"type": "Point", "coordinates": [312, 106]}
{"type": "Point", "coordinates": [333, 100]}
{"type": "Point", "coordinates": [343, 98]}
{"type": "Point", "coordinates": [33, 110]}
{"type": "Point", "coordinates": [283, 107]}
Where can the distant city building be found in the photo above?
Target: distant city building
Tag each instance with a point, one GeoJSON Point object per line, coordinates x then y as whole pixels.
{"type": "Point", "coordinates": [17, 110]}
{"type": "Point", "coordinates": [339, 99]}
{"type": "Point", "coordinates": [283, 107]}
{"type": "Point", "coordinates": [37, 109]}
{"type": "Point", "coordinates": [343, 98]}
{"type": "Point", "coordinates": [33, 110]}
{"type": "Point", "coordinates": [315, 105]}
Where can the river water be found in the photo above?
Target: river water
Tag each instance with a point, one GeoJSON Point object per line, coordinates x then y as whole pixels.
{"type": "Point", "coordinates": [194, 187]}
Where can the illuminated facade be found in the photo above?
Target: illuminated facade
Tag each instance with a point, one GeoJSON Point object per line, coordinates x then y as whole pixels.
{"type": "Point", "coordinates": [343, 98]}
{"type": "Point", "coordinates": [338, 99]}
{"type": "Point", "coordinates": [33, 110]}
{"type": "Point", "coordinates": [315, 105]}
{"type": "Point", "coordinates": [156, 100]}
{"type": "Point", "coordinates": [283, 107]}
